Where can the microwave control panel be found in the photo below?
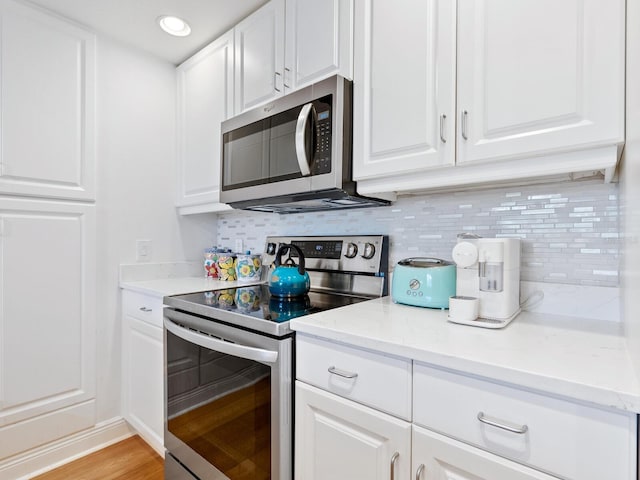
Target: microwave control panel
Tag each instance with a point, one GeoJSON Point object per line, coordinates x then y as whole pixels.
{"type": "Point", "coordinates": [322, 156]}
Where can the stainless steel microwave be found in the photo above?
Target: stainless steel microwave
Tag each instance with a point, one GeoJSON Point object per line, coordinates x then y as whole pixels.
{"type": "Point", "coordinates": [293, 154]}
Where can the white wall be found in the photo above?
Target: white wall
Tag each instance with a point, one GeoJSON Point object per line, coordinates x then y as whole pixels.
{"type": "Point", "coordinates": [630, 183]}
{"type": "Point", "coordinates": [135, 200]}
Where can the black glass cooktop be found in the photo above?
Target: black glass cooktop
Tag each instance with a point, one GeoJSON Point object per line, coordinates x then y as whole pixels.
{"type": "Point", "coordinates": [256, 301]}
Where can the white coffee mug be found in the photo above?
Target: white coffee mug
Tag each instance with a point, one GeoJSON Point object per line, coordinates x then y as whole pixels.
{"type": "Point", "coordinates": [464, 309]}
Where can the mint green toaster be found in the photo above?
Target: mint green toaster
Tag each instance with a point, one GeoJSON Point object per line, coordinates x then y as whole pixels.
{"type": "Point", "coordinates": [424, 282]}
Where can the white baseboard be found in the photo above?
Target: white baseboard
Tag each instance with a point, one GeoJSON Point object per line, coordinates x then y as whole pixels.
{"type": "Point", "coordinates": [52, 455]}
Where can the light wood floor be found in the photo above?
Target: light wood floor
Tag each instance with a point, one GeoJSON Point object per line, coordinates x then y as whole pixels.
{"type": "Point", "coordinates": [131, 459]}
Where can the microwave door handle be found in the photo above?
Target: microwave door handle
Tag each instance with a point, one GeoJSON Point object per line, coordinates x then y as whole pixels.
{"type": "Point", "coordinates": [301, 147]}
{"type": "Point", "coordinates": [241, 351]}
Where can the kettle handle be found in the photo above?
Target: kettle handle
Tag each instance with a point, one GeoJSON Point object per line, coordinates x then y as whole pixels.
{"type": "Point", "coordinates": [283, 249]}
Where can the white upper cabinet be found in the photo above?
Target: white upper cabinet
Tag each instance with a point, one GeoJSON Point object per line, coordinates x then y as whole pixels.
{"type": "Point", "coordinates": [404, 86]}
{"type": "Point", "coordinates": [536, 76]}
{"type": "Point", "coordinates": [452, 93]}
{"type": "Point", "coordinates": [319, 40]}
{"type": "Point", "coordinates": [205, 99]}
{"type": "Point", "coordinates": [47, 105]}
{"type": "Point", "coordinates": [282, 47]}
{"type": "Point", "coordinates": [259, 47]}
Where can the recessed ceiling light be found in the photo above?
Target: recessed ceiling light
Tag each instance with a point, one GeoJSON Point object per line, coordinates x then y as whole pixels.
{"type": "Point", "coordinates": [174, 25]}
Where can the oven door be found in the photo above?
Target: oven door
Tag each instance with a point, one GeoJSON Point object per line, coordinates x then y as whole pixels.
{"type": "Point", "coordinates": [228, 400]}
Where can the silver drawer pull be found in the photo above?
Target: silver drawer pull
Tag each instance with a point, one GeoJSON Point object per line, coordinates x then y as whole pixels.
{"type": "Point", "coordinates": [145, 309]}
{"type": "Point", "coordinates": [394, 459]}
{"type": "Point", "coordinates": [342, 373]}
{"type": "Point", "coordinates": [504, 426]}
{"type": "Point", "coordinates": [419, 471]}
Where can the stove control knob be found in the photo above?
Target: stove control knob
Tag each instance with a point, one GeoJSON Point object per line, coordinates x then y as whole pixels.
{"type": "Point", "coordinates": [369, 251]}
{"type": "Point", "coordinates": [352, 250]}
{"type": "Point", "coordinates": [271, 249]}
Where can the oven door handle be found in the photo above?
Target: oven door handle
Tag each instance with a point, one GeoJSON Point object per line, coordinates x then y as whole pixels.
{"type": "Point", "coordinates": [241, 351]}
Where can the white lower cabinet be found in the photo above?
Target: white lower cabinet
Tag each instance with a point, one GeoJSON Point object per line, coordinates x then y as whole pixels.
{"type": "Point", "coordinates": [527, 427]}
{"type": "Point", "coordinates": [142, 366]}
{"type": "Point", "coordinates": [459, 427]}
{"type": "Point", "coordinates": [47, 322]}
{"type": "Point", "coordinates": [337, 439]}
{"type": "Point", "coordinates": [435, 456]}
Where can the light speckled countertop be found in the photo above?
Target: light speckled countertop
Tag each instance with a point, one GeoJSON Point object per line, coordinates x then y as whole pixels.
{"type": "Point", "coordinates": [161, 287]}
{"type": "Point", "coordinates": [586, 360]}
{"type": "Point", "coordinates": [578, 358]}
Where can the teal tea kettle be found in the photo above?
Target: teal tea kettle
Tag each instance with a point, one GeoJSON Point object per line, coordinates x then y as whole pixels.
{"type": "Point", "coordinates": [289, 279]}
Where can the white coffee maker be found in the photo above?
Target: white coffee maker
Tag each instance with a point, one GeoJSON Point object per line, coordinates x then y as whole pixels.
{"type": "Point", "coordinates": [489, 269]}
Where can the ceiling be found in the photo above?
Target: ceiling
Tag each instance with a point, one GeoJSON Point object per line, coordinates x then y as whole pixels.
{"type": "Point", "coordinates": [133, 22]}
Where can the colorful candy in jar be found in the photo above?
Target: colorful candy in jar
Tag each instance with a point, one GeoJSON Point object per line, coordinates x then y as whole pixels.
{"type": "Point", "coordinates": [226, 267]}
{"type": "Point", "coordinates": [248, 267]}
{"type": "Point", "coordinates": [211, 262]}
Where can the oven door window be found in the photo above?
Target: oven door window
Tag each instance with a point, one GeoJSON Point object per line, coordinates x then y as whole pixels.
{"type": "Point", "coordinates": [220, 406]}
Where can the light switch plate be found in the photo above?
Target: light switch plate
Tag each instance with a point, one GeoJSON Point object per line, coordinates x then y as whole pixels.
{"type": "Point", "coordinates": [143, 250]}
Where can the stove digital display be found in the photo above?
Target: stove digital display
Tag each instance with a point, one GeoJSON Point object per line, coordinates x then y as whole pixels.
{"type": "Point", "coordinates": [319, 249]}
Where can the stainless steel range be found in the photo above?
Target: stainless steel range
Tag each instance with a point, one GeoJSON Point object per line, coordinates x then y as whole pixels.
{"type": "Point", "coordinates": [229, 361]}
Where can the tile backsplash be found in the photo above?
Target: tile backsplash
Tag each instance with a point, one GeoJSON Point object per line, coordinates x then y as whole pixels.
{"type": "Point", "coordinates": [570, 231]}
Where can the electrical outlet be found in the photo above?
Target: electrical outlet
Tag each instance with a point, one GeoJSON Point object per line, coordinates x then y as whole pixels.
{"type": "Point", "coordinates": [143, 250]}
{"type": "Point", "coordinates": [239, 248]}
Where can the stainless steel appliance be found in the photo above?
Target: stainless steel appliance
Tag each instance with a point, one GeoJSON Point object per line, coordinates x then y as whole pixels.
{"type": "Point", "coordinates": [294, 154]}
{"type": "Point", "coordinates": [229, 360]}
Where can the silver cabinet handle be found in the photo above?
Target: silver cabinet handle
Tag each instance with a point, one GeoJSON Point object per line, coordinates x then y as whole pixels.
{"type": "Point", "coordinates": [145, 309]}
{"type": "Point", "coordinates": [275, 81]}
{"type": "Point", "coordinates": [443, 119]}
{"type": "Point", "coordinates": [419, 471]}
{"type": "Point", "coordinates": [341, 373]}
{"type": "Point", "coordinates": [464, 124]}
{"type": "Point", "coordinates": [394, 459]}
{"type": "Point", "coordinates": [503, 425]}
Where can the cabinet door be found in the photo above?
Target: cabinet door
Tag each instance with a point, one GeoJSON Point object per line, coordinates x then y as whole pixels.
{"type": "Point", "coordinates": [142, 370]}
{"type": "Point", "coordinates": [337, 439]}
{"type": "Point", "coordinates": [436, 456]}
{"type": "Point", "coordinates": [259, 56]}
{"type": "Point", "coordinates": [46, 105]}
{"type": "Point", "coordinates": [205, 99]}
{"type": "Point", "coordinates": [319, 41]}
{"type": "Point", "coordinates": [539, 76]}
{"type": "Point", "coordinates": [404, 91]}
{"type": "Point", "coordinates": [47, 320]}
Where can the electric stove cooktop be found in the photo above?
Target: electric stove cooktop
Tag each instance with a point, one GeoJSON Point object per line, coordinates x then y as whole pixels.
{"type": "Point", "coordinates": [254, 308]}
{"type": "Point", "coordinates": [343, 270]}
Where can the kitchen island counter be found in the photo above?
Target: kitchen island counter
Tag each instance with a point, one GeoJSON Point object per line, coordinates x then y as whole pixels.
{"type": "Point", "coordinates": [581, 359]}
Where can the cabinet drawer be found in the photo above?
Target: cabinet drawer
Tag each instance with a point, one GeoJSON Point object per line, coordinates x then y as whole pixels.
{"type": "Point", "coordinates": [143, 307]}
{"type": "Point", "coordinates": [380, 381]}
{"type": "Point", "coordinates": [563, 438]}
